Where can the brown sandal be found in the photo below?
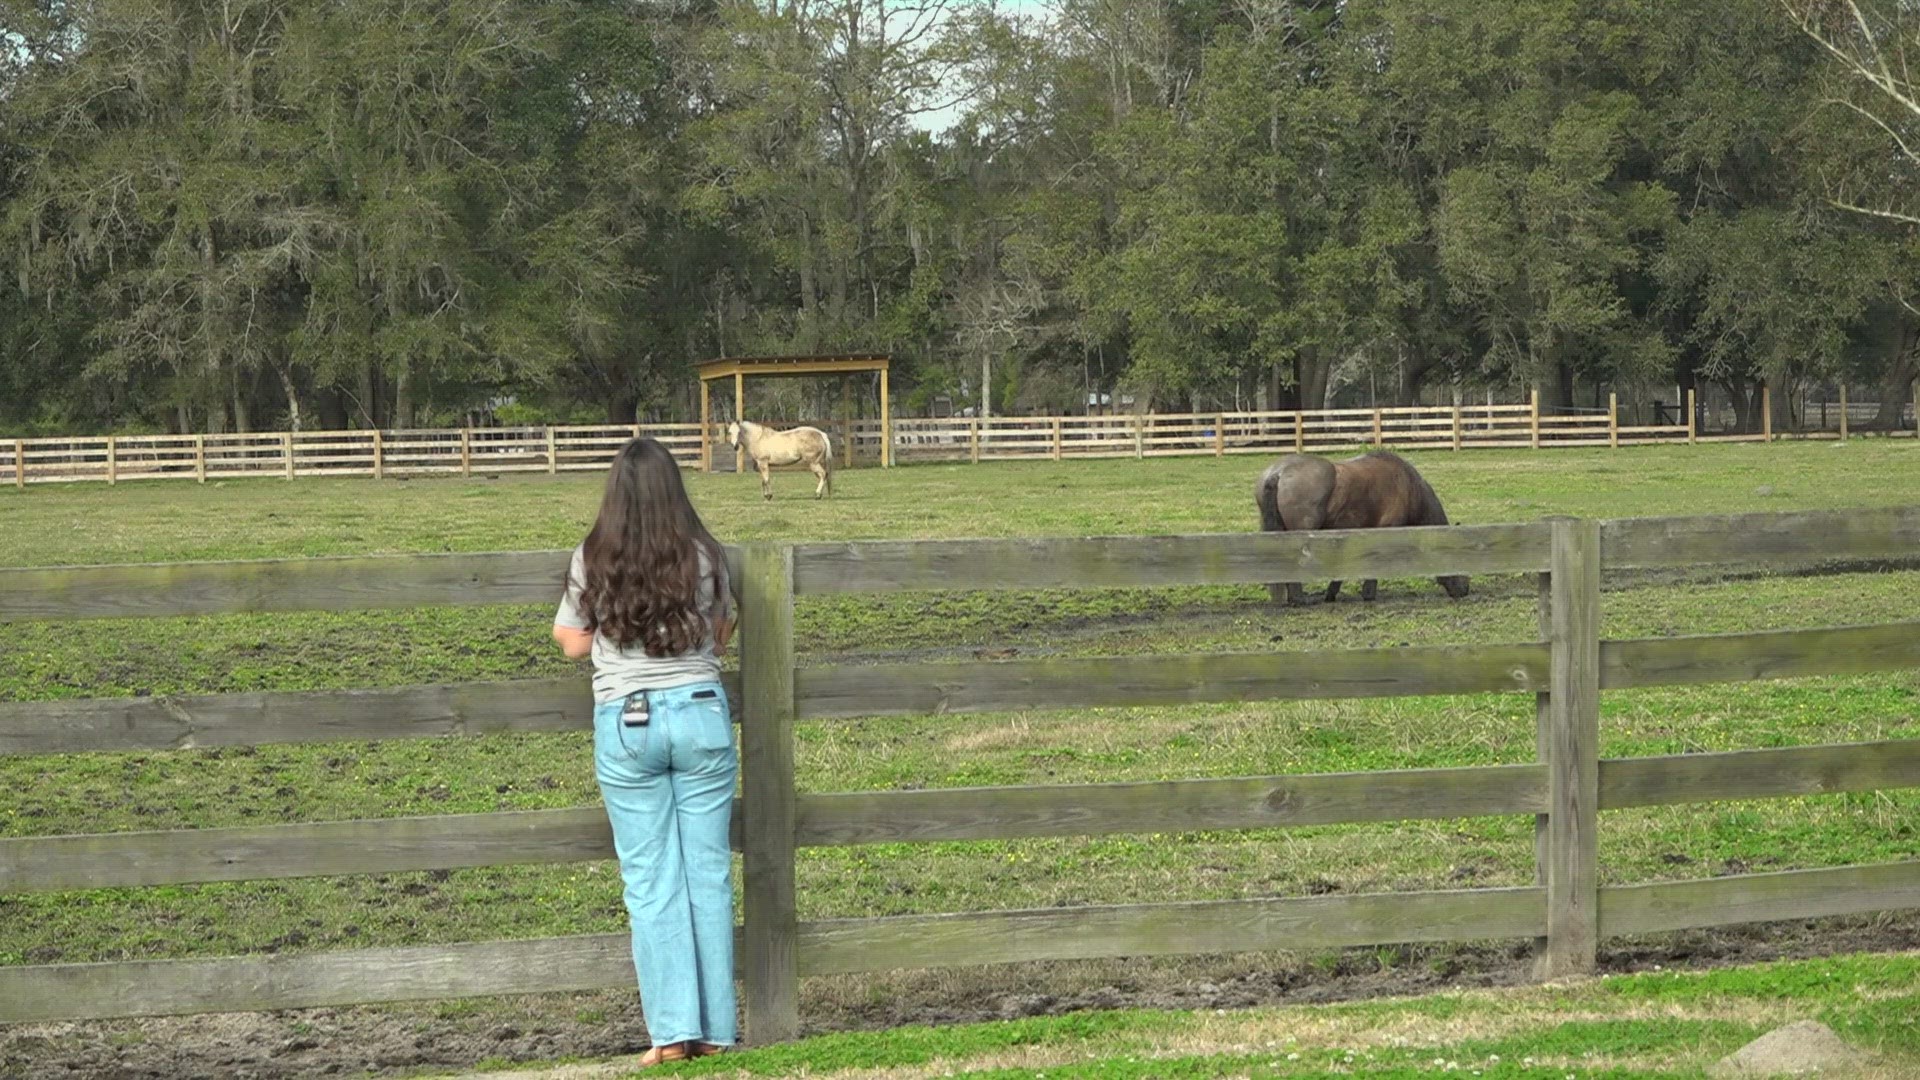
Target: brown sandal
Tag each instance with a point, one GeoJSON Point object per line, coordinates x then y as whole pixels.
{"type": "Point", "coordinates": [707, 1049]}
{"type": "Point", "coordinates": [661, 1055]}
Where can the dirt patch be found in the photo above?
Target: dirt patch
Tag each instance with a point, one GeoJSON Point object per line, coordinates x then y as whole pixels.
{"type": "Point", "coordinates": [407, 1039]}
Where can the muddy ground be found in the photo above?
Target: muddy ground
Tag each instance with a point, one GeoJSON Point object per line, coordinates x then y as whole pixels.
{"type": "Point", "coordinates": [414, 1039]}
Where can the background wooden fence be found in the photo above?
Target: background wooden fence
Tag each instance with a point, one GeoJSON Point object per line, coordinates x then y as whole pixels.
{"type": "Point", "coordinates": [465, 451]}
{"type": "Point", "coordinates": [1565, 788]}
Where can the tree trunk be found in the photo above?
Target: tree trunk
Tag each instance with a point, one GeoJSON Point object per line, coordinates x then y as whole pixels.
{"type": "Point", "coordinates": [1414, 370]}
{"type": "Point", "coordinates": [242, 418]}
{"type": "Point", "coordinates": [1746, 411]}
{"type": "Point", "coordinates": [1563, 385]}
{"type": "Point", "coordinates": [1896, 380]}
{"type": "Point", "coordinates": [293, 398]}
{"type": "Point", "coordinates": [403, 398]}
{"type": "Point", "coordinates": [1310, 375]}
{"type": "Point", "coordinates": [331, 407]}
{"type": "Point", "coordinates": [1782, 396]}
{"type": "Point", "coordinates": [623, 404]}
{"type": "Point", "coordinates": [369, 401]}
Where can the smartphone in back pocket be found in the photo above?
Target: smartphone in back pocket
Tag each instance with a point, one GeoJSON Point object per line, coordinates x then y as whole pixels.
{"type": "Point", "coordinates": [635, 712]}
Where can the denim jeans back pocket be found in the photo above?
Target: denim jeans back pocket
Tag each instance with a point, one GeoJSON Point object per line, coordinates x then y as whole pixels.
{"type": "Point", "coordinates": [709, 720]}
{"type": "Point", "coordinates": [610, 742]}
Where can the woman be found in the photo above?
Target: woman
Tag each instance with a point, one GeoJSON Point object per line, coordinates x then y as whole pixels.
{"type": "Point", "coordinates": [647, 599]}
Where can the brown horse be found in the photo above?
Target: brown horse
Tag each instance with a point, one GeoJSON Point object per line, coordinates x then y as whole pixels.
{"type": "Point", "coordinates": [1376, 490]}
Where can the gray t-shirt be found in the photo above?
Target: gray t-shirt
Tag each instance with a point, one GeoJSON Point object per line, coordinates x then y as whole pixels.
{"type": "Point", "coordinates": [618, 672]}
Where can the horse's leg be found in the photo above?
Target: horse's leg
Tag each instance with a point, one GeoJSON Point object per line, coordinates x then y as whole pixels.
{"type": "Point", "coordinates": [820, 476]}
{"type": "Point", "coordinates": [1369, 589]}
{"type": "Point", "coordinates": [1288, 594]}
{"type": "Point", "coordinates": [766, 479]}
{"type": "Point", "coordinates": [1293, 517]}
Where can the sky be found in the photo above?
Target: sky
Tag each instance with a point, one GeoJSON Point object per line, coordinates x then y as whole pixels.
{"type": "Point", "coordinates": [940, 120]}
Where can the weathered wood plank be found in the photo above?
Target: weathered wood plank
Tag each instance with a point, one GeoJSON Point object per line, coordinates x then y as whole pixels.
{"type": "Point", "coordinates": [1759, 774]}
{"type": "Point", "coordinates": [254, 585]}
{"type": "Point", "coordinates": [235, 984]}
{"type": "Point", "coordinates": [526, 837]}
{"type": "Point", "coordinates": [408, 712]}
{"type": "Point", "coordinates": [1767, 654]}
{"type": "Point", "coordinates": [1003, 685]}
{"type": "Point", "coordinates": [1573, 743]}
{"type": "Point", "coordinates": [322, 584]}
{"type": "Point", "coordinates": [926, 941]}
{"type": "Point", "coordinates": [1234, 558]}
{"type": "Point", "coordinates": [177, 723]}
{"type": "Point", "coordinates": [308, 849]}
{"type": "Point", "coordinates": [1808, 536]}
{"type": "Point", "coordinates": [767, 782]}
{"type": "Point", "coordinates": [1790, 894]}
{"type": "Point", "coordinates": [874, 817]}
{"type": "Point", "coordinates": [1542, 742]}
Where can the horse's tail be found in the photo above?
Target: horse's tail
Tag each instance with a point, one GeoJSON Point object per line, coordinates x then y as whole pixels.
{"type": "Point", "coordinates": [826, 461]}
{"type": "Point", "coordinates": [1267, 497]}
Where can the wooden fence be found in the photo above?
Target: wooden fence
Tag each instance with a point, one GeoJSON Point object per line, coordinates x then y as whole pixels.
{"type": "Point", "coordinates": [465, 451]}
{"type": "Point", "coordinates": [1565, 788]}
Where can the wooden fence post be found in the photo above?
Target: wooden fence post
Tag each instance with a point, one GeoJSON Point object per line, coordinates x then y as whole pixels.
{"type": "Point", "coordinates": [1692, 433]}
{"type": "Point", "coordinates": [286, 449]}
{"type": "Point", "coordinates": [379, 457]}
{"type": "Point", "coordinates": [1613, 421]}
{"type": "Point", "coordinates": [553, 461]}
{"type": "Point", "coordinates": [1843, 410]}
{"type": "Point", "coordinates": [466, 451]}
{"type": "Point", "coordinates": [1533, 419]}
{"type": "Point", "coordinates": [973, 440]}
{"type": "Point", "coordinates": [1572, 742]}
{"type": "Point", "coordinates": [1219, 434]}
{"type": "Point", "coordinates": [200, 458]}
{"type": "Point", "coordinates": [771, 971]}
{"type": "Point", "coordinates": [20, 464]}
{"type": "Point", "coordinates": [1456, 426]}
{"type": "Point", "coordinates": [113, 460]}
{"type": "Point", "coordinates": [1766, 413]}
{"type": "Point", "coordinates": [1056, 438]}
{"type": "Point", "coordinates": [1139, 435]}
{"type": "Point", "coordinates": [1916, 409]}
{"type": "Point", "coordinates": [1378, 435]}
{"type": "Point", "coordinates": [1299, 431]}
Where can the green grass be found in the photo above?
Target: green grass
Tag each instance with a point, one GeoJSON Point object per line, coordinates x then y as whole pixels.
{"type": "Point", "coordinates": [85, 793]}
{"type": "Point", "coordinates": [1666, 1025]}
{"type": "Point", "coordinates": [48, 525]}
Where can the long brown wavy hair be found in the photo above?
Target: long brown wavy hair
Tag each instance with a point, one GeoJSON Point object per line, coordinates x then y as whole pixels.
{"type": "Point", "coordinates": [642, 561]}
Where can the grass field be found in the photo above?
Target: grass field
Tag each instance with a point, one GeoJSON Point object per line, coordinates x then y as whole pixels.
{"type": "Point", "coordinates": [166, 521]}
{"type": "Point", "coordinates": [1667, 1025]}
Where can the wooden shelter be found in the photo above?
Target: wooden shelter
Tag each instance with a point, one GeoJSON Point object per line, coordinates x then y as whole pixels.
{"type": "Point", "coordinates": [739, 367]}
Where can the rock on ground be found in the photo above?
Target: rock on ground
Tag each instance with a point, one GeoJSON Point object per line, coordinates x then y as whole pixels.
{"type": "Point", "coordinates": [1804, 1048]}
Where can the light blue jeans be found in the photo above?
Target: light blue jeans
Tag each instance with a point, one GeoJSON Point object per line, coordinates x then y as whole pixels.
{"type": "Point", "coordinates": [668, 788]}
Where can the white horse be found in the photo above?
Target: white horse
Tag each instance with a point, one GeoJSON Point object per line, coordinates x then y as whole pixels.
{"type": "Point", "coordinates": [797, 446]}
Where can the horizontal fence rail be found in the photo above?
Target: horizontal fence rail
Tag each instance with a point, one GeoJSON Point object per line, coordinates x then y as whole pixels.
{"type": "Point", "coordinates": [773, 692]}
{"type": "Point", "coordinates": [1225, 559]}
{"type": "Point", "coordinates": [50, 992]}
{"type": "Point", "coordinates": [525, 837]}
{"type": "Point", "coordinates": [534, 577]}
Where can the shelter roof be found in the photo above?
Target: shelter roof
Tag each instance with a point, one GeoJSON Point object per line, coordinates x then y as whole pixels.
{"type": "Point", "coordinates": [822, 364]}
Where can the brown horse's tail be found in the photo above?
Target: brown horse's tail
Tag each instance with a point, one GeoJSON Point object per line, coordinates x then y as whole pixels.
{"type": "Point", "coordinates": [1267, 497]}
